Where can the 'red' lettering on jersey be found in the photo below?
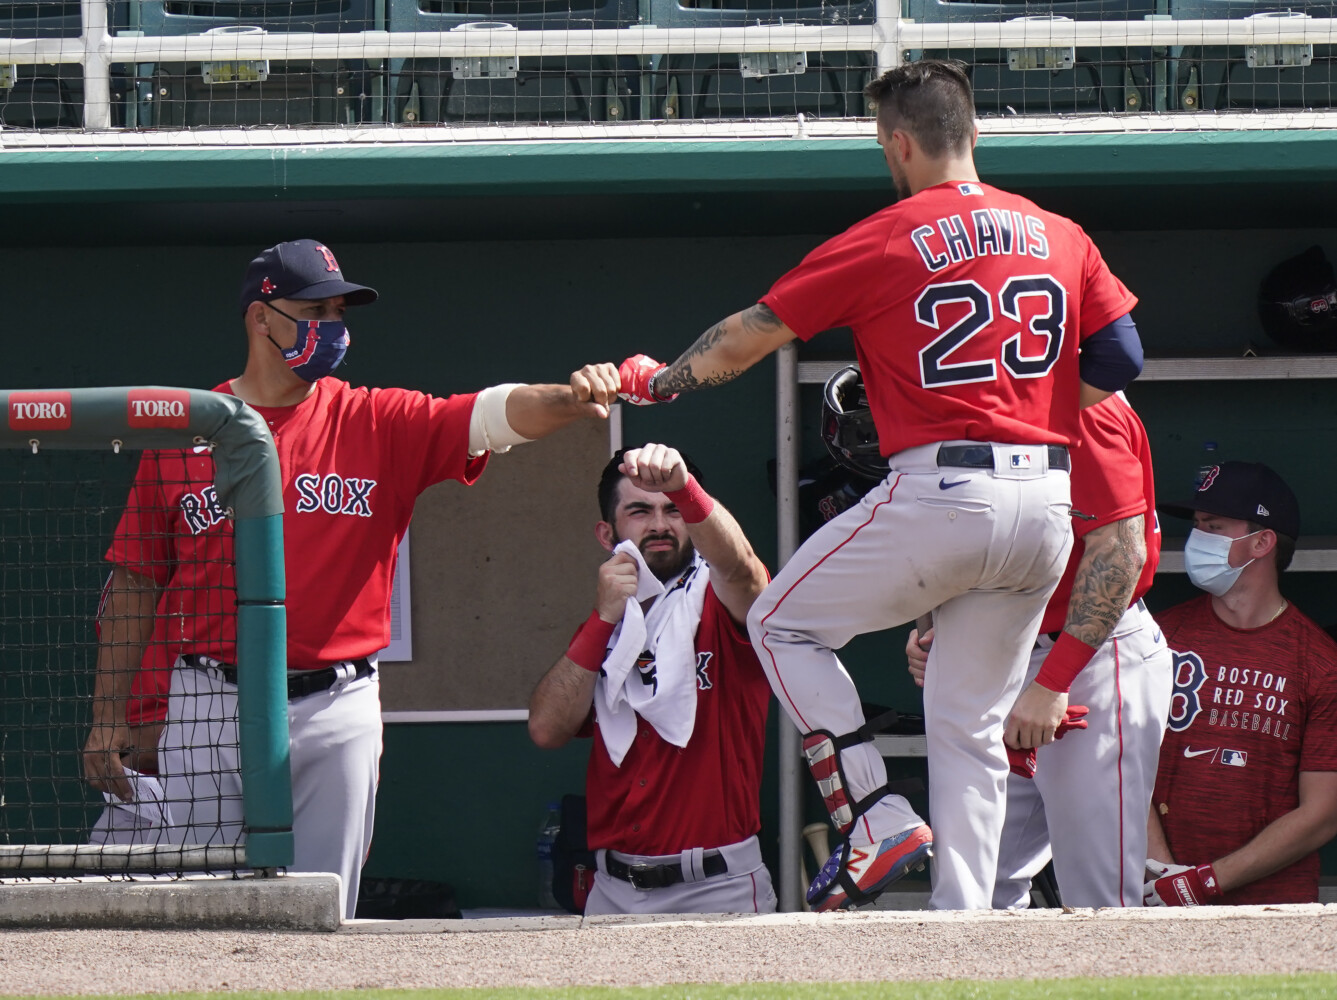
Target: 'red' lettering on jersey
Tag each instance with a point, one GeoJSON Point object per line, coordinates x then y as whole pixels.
{"type": "Point", "coordinates": [665, 799]}
{"type": "Point", "coordinates": [1111, 480]}
{"type": "Point", "coordinates": [1250, 710]}
{"type": "Point", "coordinates": [967, 306]}
{"type": "Point", "coordinates": [353, 462]}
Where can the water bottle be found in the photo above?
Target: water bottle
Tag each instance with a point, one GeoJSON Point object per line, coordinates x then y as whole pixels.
{"type": "Point", "coordinates": [1211, 456]}
{"type": "Point", "coordinates": [552, 823]}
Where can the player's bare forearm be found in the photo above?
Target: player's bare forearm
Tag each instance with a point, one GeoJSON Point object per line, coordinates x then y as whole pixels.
{"type": "Point", "coordinates": [1106, 577]}
{"type": "Point", "coordinates": [1158, 847]}
{"type": "Point", "coordinates": [725, 351]}
{"type": "Point", "coordinates": [1089, 395]}
{"type": "Point", "coordinates": [535, 411]}
{"type": "Point", "coordinates": [560, 704]}
{"type": "Point", "coordinates": [737, 575]}
{"type": "Point", "coordinates": [1289, 837]}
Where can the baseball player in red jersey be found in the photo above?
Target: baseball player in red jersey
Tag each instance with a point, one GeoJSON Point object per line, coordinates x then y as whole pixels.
{"type": "Point", "coordinates": [967, 306]}
{"type": "Point", "coordinates": [353, 462]}
{"type": "Point", "coordinates": [1082, 799]}
{"type": "Point", "coordinates": [663, 676]}
{"type": "Point", "coordinates": [1246, 792]}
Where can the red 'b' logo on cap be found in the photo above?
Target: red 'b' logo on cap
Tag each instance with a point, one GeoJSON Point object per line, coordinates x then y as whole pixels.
{"type": "Point", "coordinates": [330, 263]}
{"type": "Point", "coordinates": [1210, 478]}
{"type": "Point", "coordinates": [39, 411]}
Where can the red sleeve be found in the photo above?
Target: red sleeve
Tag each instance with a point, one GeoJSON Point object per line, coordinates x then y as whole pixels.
{"type": "Point", "coordinates": [1319, 750]}
{"type": "Point", "coordinates": [428, 436]}
{"type": "Point", "coordinates": [142, 542]}
{"type": "Point", "coordinates": [827, 288]}
{"type": "Point", "coordinates": [1107, 481]}
{"type": "Point", "coordinates": [1104, 297]}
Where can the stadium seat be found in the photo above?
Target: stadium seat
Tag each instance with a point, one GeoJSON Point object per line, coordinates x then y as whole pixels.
{"type": "Point", "coordinates": [733, 86]}
{"type": "Point", "coordinates": [551, 89]}
{"type": "Point", "coordinates": [47, 96]}
{"type": "Point", "coordinates": [1095, 80]}
{"type": "Point", "coordinates": [1221, 78]}
{"type": "Point", "coordinates": [295, 93]}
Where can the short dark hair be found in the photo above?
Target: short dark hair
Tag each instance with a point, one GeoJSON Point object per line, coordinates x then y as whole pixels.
{"type": "Point", "coordinates": [931, 99]}
{"type": "Point", "coordinates": [611, 477]}
{"type": "Point", "coordinates": [1283, 551]}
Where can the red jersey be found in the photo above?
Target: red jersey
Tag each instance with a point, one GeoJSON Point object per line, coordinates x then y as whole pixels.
{"type": "Point", "coordinates": [967, 305]}
{"type": "Point", "coordinates": [665, 799]}
{"type": "Point", "coordinates": [147, 701]}
{"type": "Point", "coordinates": [353, 462]}
{"type": "Point", "coordinates": [1252, 708]}
{"type": "Point", "coordinates": [1111, 480]}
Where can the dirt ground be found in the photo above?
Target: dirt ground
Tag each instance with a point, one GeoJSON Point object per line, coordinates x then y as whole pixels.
{"type": "Point", "coordinates": [867, 946]}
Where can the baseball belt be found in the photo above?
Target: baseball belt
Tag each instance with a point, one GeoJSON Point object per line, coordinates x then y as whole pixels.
{"type": "Point", "coordinates": [661, 876]}
{"type": "Point", "coordinates": [300, 683]}
{"type": "Point", "coordinates": [980, 456]}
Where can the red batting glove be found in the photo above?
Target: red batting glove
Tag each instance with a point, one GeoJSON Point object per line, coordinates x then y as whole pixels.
{"type": "Point", "coordinates": [1188, 887]}
{"type": "Point", "coordinates": [1022, 762]}
{"type": "Point", "coordinates": [634, 375]}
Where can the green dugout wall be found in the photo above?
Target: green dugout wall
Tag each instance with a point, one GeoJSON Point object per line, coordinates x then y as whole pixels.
{"type": "Point", "coordinates": [521, 261]}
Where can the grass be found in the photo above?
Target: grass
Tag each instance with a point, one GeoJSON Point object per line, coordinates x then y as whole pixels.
{"type": "Point", "coordinates": [1312, 986]}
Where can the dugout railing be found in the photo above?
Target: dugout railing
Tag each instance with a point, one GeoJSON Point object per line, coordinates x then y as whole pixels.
{"type": "Point", "coordinates": [1039, 45]}
{"type": "Point", "coordinates": [249, 490]}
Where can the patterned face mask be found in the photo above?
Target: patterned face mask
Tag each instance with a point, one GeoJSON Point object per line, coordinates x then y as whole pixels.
{"type": "Point", "coordinates": [319, 349]}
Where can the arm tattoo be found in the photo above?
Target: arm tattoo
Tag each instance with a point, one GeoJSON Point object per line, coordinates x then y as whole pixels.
{"type": "Point", "coordinates": [679, 376]}
{"type": "Point", "coordinates": [1106, 578]}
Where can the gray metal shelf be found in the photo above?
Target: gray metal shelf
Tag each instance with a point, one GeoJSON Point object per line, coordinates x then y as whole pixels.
{"type": "Point", "coordinates": [1317, 554]}
{"type": "Point", "coordinates": [1169, 369]}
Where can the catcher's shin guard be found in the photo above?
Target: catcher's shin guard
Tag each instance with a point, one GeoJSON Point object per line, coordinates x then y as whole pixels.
{"type": "Point", "coordinates": [822, 748]}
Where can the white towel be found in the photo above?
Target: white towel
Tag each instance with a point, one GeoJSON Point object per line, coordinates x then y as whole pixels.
{"type": "Point", "coordinates": [661, 688]}
{"type": "Point", "coordinates": [142, 820]}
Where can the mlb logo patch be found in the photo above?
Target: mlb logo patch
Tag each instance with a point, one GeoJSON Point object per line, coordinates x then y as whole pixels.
{"type": "Point", "coordinates": [1234, 758]}
{"type": "Point", "coordinates": [970, 189]}
{"type": "Point", "coordinates": [1021, 460]}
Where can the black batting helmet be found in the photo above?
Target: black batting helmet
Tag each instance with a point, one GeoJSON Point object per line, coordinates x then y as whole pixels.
{"type": "Point", "coordinates": [1297, 303]}
{"type": "Point", "coordinates": [847, 425]}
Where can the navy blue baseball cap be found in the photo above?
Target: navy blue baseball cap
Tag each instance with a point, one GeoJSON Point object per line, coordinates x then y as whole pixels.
{"type": "Point", "coordinates": [300, 269]}
{"type": "Point", "coordinates": [1244, 491]}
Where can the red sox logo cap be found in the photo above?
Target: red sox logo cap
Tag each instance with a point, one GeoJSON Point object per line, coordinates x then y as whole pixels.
{"type": "Point", "coordinates": [299, 269]}
{"type": "Point", "coordinates": [1244, 491]}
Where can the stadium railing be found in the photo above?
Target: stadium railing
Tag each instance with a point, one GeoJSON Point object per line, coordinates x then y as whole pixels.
{"type": "Point", "coordinates": [1078, 56]}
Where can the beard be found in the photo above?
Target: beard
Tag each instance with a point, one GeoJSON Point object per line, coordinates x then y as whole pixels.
{"type": "Point", "coordinates": [666, 564]}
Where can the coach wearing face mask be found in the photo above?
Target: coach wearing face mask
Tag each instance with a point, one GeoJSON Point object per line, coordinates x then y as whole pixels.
{"type": "Point", "coordinates": [1246, 791]}
{"type": "Point", "coordinates": [353, 462]}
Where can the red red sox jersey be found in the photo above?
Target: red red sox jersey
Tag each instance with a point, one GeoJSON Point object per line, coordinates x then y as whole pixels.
{"type": "Point", "coordinates": [967, 305]}
{"type": "Point", "coordinates": [1111, 480]}
{"type": "Point", "coordinates": [353, 462]}
{"type": "Point", "coordinates": [1252, 708]}
{"type": "Point", "coordinates": [665, 799]}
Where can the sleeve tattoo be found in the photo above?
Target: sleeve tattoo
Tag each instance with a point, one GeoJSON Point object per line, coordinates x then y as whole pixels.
{"type": "Point", "coordinates": [1110, 568]}
{"type": "Point", "coordinates": [683, 376]}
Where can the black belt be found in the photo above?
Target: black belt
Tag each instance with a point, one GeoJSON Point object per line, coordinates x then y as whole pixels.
{"type": "Point", "coordinates": [1141, 605]}
{"type": "Point", "coordinates": [299, 684]}
{"type": "Point", "coordinates": [980, 456]}
{"type": "Point", "coordinates": [661, 876]}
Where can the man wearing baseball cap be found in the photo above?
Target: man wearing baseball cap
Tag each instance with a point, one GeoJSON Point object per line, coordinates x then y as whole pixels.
{"type": "Point", "coordinates": [353, 463]}
{"type": "Point", "coordinates": [1246, 790]}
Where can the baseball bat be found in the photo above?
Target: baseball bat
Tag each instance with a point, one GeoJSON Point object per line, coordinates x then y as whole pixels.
{"type": "Point", "coordinates": [816, 836]}
{"type": "Point", "coordinates": [923, 623]}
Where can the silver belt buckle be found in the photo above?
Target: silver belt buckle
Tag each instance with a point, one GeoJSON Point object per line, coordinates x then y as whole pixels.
{"type": "Point", "coordinates": [344, 674]}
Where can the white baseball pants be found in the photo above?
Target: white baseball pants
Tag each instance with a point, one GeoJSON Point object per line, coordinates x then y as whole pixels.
{"type": "Point", "coordinates": [744, 888]}
{"type": "Point", "coordinates": [983, 549]}
{"type": "Point", "coordinates": [1098, 780]}
{"type": "Point", "coordinates": [335, 739]}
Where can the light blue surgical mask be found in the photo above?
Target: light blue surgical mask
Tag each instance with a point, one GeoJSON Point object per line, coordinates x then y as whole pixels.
{"type": "Point", "coordinates": [1207, 561]}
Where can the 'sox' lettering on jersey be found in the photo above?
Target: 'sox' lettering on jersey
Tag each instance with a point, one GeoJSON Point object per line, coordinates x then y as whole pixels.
{"type": "Point", "coordinates": [703, 682]}
{"type": "Point", "coordinates": [39, 411]}
{"type": "Point", "coordinates": [1189, 677]}
{"type": "Point", "coordinates": [333, 494]}
{"type": "Point", "coordinates": [991, 232]}
{"type": "Point", "coordinates": [158, 408]}
{"type": "Point", "coordinates": [201, 510]}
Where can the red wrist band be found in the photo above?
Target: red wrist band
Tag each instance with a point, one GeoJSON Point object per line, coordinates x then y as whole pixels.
{"type": "Point", "coordinates": [1064, 662]}
{"type": "Point", "coordinates": [587, 649]}
{"type": "Point", "coordinates": [693, 503]}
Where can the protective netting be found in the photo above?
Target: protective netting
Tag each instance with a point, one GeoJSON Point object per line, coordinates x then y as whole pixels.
{"type": "Point", "coordinates": [206, 64]}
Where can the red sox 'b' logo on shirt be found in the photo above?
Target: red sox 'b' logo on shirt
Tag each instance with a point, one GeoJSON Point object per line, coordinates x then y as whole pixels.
{"type": "Point", "coordinates": [334, 494]}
